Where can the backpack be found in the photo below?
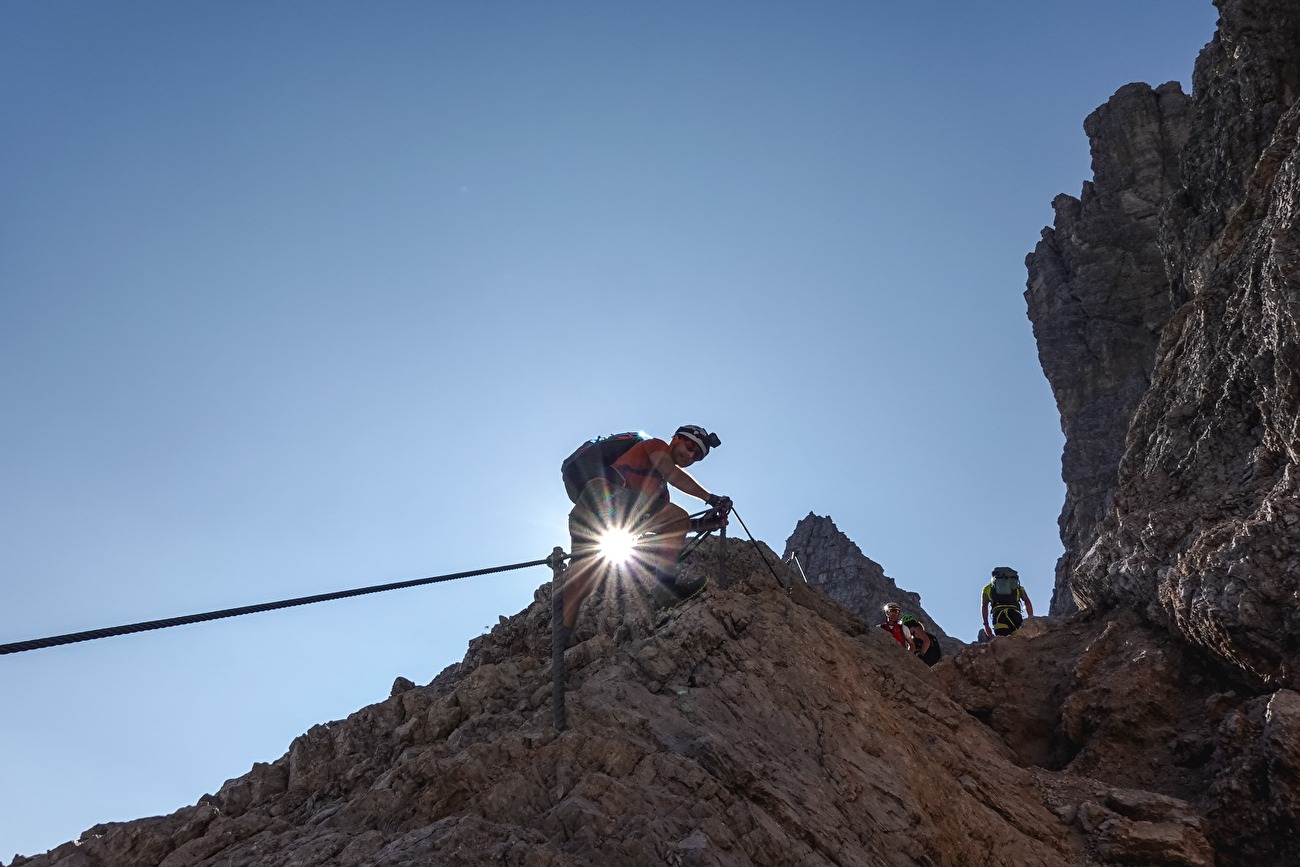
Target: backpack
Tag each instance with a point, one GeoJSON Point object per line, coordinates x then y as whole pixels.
{"type": "Point", "coordinates": [592, 460]}
{"type": "Point", "coordinates": [1006, 586]}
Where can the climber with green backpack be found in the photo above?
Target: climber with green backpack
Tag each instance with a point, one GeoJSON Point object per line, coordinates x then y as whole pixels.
{"type": "Point", "coordinates": [620, 483]}
{"type": "Point", "coordinates": [1004, 595]}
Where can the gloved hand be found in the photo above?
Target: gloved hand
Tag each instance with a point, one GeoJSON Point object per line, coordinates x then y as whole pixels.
{"type": "Point", "coordinates": [719, 502]}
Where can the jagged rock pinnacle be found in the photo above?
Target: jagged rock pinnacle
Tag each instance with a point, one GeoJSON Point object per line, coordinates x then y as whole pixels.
{"type": "Point", "coordinates": [834, 564]}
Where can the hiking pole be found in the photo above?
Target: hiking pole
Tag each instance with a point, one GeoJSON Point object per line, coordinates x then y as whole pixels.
{"type": "Point", "coordinates": [556, 562]}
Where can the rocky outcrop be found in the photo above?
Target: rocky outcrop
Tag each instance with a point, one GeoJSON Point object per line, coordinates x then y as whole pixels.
{"type": "Point", "coordinates": [751, 726]}
{"type": "Point", "coordinates": [764, 724]}
{"type": "Point", "coordinates": [831, 562]}
{"type": "Point", "coordinates": [1099, 297]}
{"type": "Point", "coordinates": [1121, 706]}
{"type": "Point", "coordinates": [1203, 532]}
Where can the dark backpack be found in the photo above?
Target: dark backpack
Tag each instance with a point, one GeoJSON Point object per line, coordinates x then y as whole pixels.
{"type": "Point", "coordinates": [593, 459]}
{"type": "Point", "coordinates": [1006, 586]}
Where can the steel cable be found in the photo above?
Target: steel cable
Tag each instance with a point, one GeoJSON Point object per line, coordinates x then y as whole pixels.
{"type": "Point", "coordinates": [761, 555]}
{"type": "Point", "coordinates": [107, 632]}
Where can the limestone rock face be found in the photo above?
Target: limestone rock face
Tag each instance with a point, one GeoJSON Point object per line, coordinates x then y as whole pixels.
{"type": "Point", "coordinates": [1204, 533]}
{"type": "Point", "coordinates": [1098, 298]}
{"type": "Point", "coordinates": [1201, 531]}
{"type": "Point", "coordinates": [836, 566]}
{"type": "Point", "coordinates": [750, 726]}
{"type": "Point", "coordinates": [1153, 748]}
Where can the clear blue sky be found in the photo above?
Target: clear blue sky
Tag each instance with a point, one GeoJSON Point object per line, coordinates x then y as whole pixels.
{"type": "Point", "coordinates": [296, 297]}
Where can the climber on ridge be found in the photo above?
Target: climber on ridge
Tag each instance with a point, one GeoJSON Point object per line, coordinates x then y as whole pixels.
{"type": "Point", "coordinates": [895, 627]}
{"type": "Point", "coordinates": [622, 482]}
{"type": "Point", "coordinates": [924, 645]}
{"type": "Point", "coordinates": [1004, 594]}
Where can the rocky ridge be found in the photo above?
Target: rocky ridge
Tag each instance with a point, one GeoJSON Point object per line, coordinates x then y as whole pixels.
{"type": "Point", "coordinates": [755, 725]}
{"type": "Point", "coordinates": [835, 565]}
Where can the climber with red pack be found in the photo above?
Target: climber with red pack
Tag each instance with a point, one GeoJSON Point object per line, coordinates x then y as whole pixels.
{"type": "Point", "coordinates": [621, 483]}
{"type": "Point", "coordinates": [894, 626]}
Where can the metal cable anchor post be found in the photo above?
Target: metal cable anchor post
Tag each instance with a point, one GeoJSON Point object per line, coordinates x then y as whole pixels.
{"type": "Point", "coordinates": [722, 555]}
{"type": "Point", "coordinates": [558, 638]}
{"type": "Point", "coordinates": [789, 575]}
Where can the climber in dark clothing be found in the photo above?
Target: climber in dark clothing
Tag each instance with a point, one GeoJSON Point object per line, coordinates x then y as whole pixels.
{"type": "Point", "coordinates": [924, 644]}
{"type": "Point", "coordinates": [632, 495]}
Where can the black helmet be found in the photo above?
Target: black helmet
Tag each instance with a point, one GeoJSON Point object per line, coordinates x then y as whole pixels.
{"type": "Point", "coordinates": [1005, 572]}
{"type": "Point", "coordinates": [700, 437]}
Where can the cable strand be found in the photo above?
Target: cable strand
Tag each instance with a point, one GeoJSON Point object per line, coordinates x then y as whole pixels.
{"type": "Point", "coordinates": [761, 555]}
{"type": "Point", "coordinates": [148, 625]}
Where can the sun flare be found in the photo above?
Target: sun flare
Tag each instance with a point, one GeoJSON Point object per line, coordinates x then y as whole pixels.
{"type": "Point", "coordinates": [617, 545]}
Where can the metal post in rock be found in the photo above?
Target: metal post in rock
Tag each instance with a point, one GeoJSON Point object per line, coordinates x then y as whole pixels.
{"type": "Point", "coordinates": [556, 562]}
{"type": "Point", "coordinates": [722, 554]}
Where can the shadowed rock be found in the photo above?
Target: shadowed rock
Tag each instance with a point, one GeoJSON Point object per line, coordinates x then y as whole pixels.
{"type": "Point", "coordinates": [1098, 298]}
{"type": "Point", "coordinates": [1200, 528]}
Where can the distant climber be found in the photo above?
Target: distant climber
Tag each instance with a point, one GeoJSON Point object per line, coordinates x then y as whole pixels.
{"type": "Point", "coordinates": [621, 482]}
{"type": "Point", "coordinates": [924, 645]}
{"type": "Point", "coordinates": [894, 626]}
{"type": "Point", "coordinates": [1004, 595]}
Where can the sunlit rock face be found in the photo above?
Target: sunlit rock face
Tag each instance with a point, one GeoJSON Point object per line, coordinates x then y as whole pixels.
{"type": "Point", "coordinates": [835, 565]}
{"type": "Point", "coordinates": [1202, 532]}
{"type": "Point", "coordinates": [1099, 296]}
